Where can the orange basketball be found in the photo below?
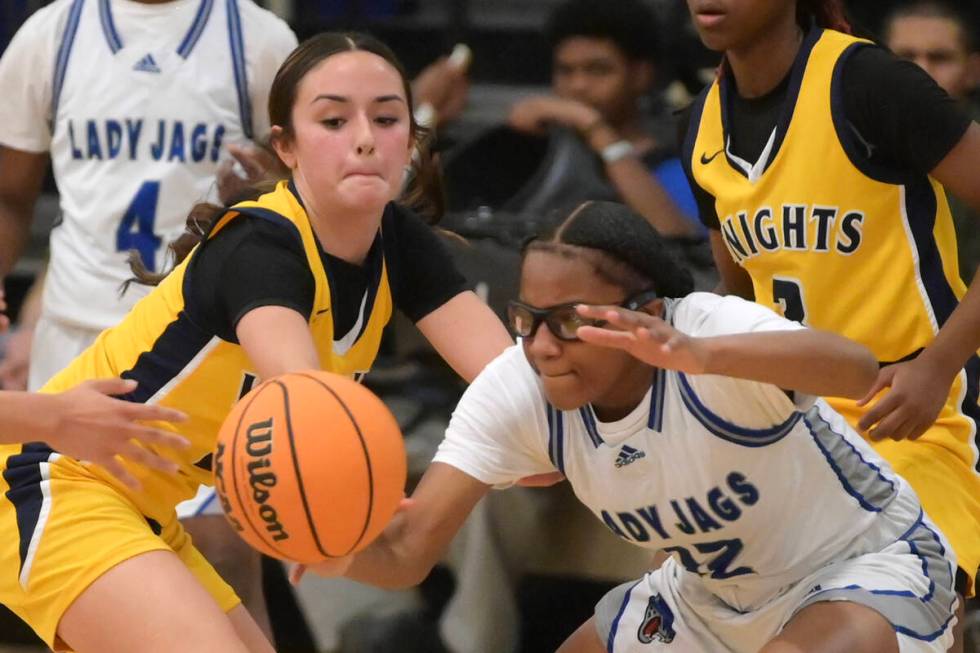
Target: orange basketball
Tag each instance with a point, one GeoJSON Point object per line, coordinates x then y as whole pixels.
{"type": "Point", "coordinates": [308, 466]}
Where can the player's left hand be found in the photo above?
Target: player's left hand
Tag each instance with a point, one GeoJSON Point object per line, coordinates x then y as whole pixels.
{"type": "Point", "coordinates": [334, 567]}
{"type": "Point", "coordinates": [917, 394]}
{"type": "Point", "coordinates": [644, 336]}
{"type": "Point", "coordinates": [248, 165]}
{"type": "Point", "coordinates": [533, 114]}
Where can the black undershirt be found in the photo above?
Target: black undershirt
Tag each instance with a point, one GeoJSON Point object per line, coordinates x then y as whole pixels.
{"type": "Point", "coordinates": [254, 262]}
{"type": "Point", "coordinates": [903, 118]}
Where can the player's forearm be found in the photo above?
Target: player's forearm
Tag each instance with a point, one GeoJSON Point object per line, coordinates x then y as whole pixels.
{"type": "Point", "coordinates": [23, 416]}
{"type": "Point", "coordinates": [15, 231]}
{"type": "Point", "coordinates": [391, 561]}
{"type": "Point", "coordinates": [959, 338]}
{"type": "Point", "coordinates": [810, 361]}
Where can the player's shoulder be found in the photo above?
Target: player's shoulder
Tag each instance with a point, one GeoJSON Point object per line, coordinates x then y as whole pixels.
{"type": "Point", "coordinates": [509, 375]}
{"type": "Point", "coordinates": [261, 22]}
{"type": "Point", "coordinates": [707, 314]}
{"type": "Point", "coordinates": [49, 19]}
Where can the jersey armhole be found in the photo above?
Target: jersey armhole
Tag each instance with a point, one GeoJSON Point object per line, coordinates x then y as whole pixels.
{"type": "Point", "coordinates": [852, 142]}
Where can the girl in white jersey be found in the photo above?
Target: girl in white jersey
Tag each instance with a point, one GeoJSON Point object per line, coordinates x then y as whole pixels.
{"type": "Point", "coordinates": [788, 532]}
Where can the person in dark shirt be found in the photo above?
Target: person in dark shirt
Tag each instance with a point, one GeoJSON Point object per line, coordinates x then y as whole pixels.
{"type": "Point", "coordinates": [603, 64]}
{"type": "Point", "coordinates": [819, 163]}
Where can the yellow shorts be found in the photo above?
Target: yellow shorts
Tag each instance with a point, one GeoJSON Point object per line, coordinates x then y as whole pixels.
{"type": "Point", "coordinates": [941, 468]}
{"type": "Point", "coordinates": [63, 528]}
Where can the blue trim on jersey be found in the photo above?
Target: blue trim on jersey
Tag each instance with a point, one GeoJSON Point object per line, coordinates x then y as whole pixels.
{"type": "Point", "coordinates": [112, 37]}
{"type": "Point", "coordinates": [619, 615]}
{"type": "Point", "coordinates": [556, 445]}
{"type": "Point", "coordinates": [726, 430]}
{"type": "Point", "coordinates": [726, 89]}
{"type": "Point", "coordinates": [22, 473]}
{"type": "Point", "coordinates": [238, 64]}
{"type": "Point", "coordinates": [204, 506]}
{"type": "Point", "coordinates": [588, 418]}
{"type": "Point", "coordinates": [655, 421]}
{"type": "Point", "coordinates": [861, 499]}
{"type": "Point", "coordinates": [920, 207]}
{"type": "Point", "coordinates": [197, 28]}
{"type": "Point", "coordinates": [273, 217]}
{"type": "Point", "coordinates": [64, 53]}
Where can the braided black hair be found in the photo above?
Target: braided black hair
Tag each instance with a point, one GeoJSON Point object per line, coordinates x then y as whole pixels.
{"type": "Point", "coordinates": [623, 248]}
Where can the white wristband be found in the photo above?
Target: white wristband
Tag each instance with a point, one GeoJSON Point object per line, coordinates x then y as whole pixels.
{"type": "Point", "coordinates": [425, 114]}
{"type": "Point", "coordinates": [617, 151]}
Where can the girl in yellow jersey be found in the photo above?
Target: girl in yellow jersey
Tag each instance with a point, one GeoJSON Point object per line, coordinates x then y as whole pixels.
{"type": "Point", "coordinates": [305, 276]}
{"type": "Point", "coordinates": [819, 162]}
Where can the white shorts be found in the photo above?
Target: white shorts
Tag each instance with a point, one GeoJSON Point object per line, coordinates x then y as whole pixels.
{"type": "Point", "coordinates": [910, 583]}
{"type": "Point", "coordinates": [205, 503]}
{"type": "Point", "coordinates": [55, 345]}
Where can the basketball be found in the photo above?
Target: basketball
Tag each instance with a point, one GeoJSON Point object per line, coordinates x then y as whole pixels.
{"type": "Point", "coordinates": [308, 466]}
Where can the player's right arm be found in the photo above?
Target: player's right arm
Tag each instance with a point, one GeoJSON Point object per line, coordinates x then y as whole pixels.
{"type": "Point", "coordinates": [26, 71]}
{"type": "Point", "coordinates": [21, 175]}
{"type": "Point", "coordinates": [87, 424]}
{"type": "Point", "coordinates": [497, 436]}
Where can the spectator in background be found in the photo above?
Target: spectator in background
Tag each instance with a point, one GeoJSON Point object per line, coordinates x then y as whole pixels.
{"type": "Point", "coordinates": [940, 38]}
{"type": "Point", "coordinates": [603, 67]}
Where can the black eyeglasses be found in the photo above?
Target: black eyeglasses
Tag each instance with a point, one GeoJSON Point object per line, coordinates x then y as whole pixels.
{"type": "Point", "coordinates": [563, 320]}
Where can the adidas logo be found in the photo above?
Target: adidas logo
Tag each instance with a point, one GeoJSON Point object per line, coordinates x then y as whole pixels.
{"type": "Point", "coordinates": [627, 455]}
{"type": "Point", "coordinates": [147, 65]}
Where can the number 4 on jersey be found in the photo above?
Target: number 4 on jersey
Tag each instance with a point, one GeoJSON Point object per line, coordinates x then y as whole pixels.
{"type": "Point", "coordinates": [136, 228]}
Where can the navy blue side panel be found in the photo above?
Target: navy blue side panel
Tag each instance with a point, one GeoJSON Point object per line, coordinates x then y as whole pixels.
{"type": "Point", "coordinates": [920, 206]}
{"type": "Point", "coordinates": [179, 343]}
{"type": "Point", "coordinates": [23, 477]}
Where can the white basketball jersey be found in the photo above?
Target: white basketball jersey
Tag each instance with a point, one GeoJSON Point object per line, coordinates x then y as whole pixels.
{"type": "Point", "coordinates": [750, 489]}
{"type": "Point", "coordinates": [141, 100]}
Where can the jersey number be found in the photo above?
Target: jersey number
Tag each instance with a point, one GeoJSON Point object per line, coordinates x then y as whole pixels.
{"type": "Point", "coordinates": [788, 295]}
{"type": "Point", "coordinates": [719, 566]}
{"type": "Point", "coordinates": [136, 229]}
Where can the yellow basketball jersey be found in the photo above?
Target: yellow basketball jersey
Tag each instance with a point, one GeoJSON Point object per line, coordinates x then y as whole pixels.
{"type": "Point", "coordinates": [178, 364]}
{"type": "Point", "coordinates": [827, 240]}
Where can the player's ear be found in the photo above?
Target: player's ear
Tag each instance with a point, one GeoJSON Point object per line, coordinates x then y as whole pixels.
{"type": "Point", "coordinates": [283, 145]}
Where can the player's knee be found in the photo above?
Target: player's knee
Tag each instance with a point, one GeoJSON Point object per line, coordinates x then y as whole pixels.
{"type": "Point", "coordinates": [835, 626]}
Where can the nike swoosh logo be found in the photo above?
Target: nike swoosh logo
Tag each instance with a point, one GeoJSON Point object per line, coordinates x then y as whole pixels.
{"type": "Point", "coordinates": [708, 159]}
{"type": "Point", "coordinates": [326, 310]}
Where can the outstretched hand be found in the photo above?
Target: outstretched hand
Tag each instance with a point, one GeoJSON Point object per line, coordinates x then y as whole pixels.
{"type": "Point", "coordinates": [91, 426]}
{"type": "Point", "coordinates": [334, 567]}
{"type": "Point", "coordinates": [644, 336]}
{"type": "Point", "coordinates": [916, 396]}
